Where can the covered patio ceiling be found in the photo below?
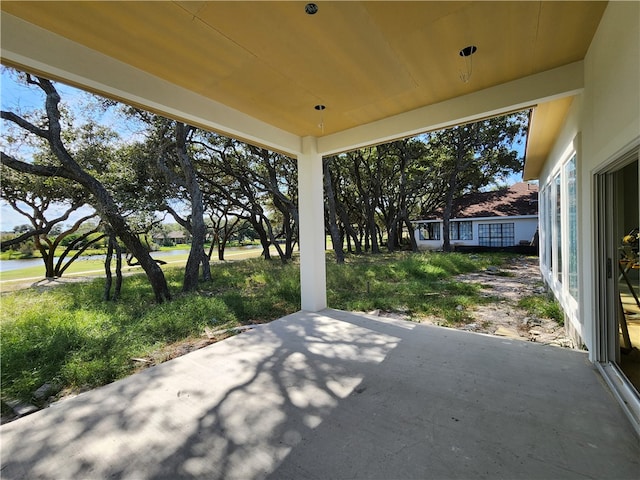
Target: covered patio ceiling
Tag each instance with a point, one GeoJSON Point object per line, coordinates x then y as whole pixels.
{"type": "Point", "coordinates": [256, 70]}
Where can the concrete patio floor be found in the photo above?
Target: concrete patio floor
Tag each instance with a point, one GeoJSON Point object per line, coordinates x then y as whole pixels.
{"type": "Point", "coordinates": [338, 395]}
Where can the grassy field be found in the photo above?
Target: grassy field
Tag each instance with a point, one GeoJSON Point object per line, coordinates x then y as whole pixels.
{"type": "Point", "coordinates": [69, 337]}
{"type": "Point", "coordinates": [96, 267]}
{"type": "Point", "coordinates": [80, 267]}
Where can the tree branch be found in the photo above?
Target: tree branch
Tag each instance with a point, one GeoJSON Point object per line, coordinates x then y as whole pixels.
{"type": "Point", "coordinates": [23, 237]}
{"type": "Point", "coordinates": [181, 221]}
{"type": "Point", "coordinates": [25, 124]}
{"type": "Point", "coordinates": [41, 170]}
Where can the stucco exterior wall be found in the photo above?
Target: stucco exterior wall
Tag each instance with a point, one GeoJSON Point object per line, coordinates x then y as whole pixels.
{"type": "Point", "coordinates": [603, 123]}
{"type": "Point", "coordinates": [611, 122]}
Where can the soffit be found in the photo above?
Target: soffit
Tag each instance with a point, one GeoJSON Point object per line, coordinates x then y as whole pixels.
{"type": "Point", "coordinates": [365, 61]}
{"type": "Point", "coordinates": [546, 121]}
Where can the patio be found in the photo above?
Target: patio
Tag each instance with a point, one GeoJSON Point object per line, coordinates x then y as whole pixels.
{"type": "Point", "coordinates": [338, 395]}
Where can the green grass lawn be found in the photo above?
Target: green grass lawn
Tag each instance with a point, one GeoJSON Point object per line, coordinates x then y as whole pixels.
{"type": "Point", "coordinates": [69, 336]}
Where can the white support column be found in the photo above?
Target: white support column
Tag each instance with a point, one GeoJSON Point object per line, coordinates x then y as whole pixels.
{"type": "Point", "coordinates": [313, 275]}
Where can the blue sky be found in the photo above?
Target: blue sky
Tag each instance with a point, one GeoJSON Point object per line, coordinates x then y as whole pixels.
{"type": "Point", "coordinates": [20, 98]}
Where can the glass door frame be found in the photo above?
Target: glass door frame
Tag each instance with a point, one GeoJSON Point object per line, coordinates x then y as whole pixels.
{"type": "Point", "coordinates": [607, 338]}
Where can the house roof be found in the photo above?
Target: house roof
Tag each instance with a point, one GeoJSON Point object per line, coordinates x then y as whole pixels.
{"type": "Point", "coordinates": [256, 70]}
{"type": "Point", "coordinates": [517, 200]}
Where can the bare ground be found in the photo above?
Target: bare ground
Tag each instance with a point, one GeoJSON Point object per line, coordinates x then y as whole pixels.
{"type": "Point", "coordinates": [501, 316]}
{"type": "Point", "coordinates": [41, 284]}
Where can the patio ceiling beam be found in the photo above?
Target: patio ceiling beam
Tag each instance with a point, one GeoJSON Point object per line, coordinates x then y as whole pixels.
{"type": "Point", "coordinates": [33, 49]}
{"type": "Point", "coordinates": [516, 95]}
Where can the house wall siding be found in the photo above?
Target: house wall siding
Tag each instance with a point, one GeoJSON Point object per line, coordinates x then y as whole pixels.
{"type": "Point", "coordinates": [603, 123]}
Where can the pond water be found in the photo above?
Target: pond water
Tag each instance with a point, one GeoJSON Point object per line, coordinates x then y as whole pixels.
{"type": "Point", "coordinates": [6, 265]}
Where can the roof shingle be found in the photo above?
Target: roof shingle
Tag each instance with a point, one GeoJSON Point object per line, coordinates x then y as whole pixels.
{"type": "Point", "coordinates": [518, 199]}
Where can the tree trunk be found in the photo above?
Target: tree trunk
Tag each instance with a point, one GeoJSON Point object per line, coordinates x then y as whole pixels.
{"type": "Point", "coordinates": [104, 202]}
{"type": "Point", "coordinates": [214, 241]}
{"type": "Point", "coordinates": [47, 258]}
{"type": "Point", "coordinates": [273, 239]}
{"type": "Point", "coordinates": [49, 271]}
{"type": "Point", "coordinates": [154, 273]}
{"type": "Point", "coordinates": [118, 287]}
{"type": "Point", "coordinates": [288, 233]}
{"type": "Point", "coordinates": [372, 228]}
{"type": "Point", "coordinates": [412, 236]}
{"type": "Point", "coordinates": [446, 213]}
{"type": "Point", "coordinates": [264, 238]}
{"type": "Point", "coordinates": [336, 240]}
{"type": "Point", "coordinates": [392, 236]}
{"type": "Point", "coordinates": [107, 271]}
{"type": "Point", "coordinates": [289, 240]}
{"type": "Point", "coordinates": [197, 255]}
{"type": "Point", "coordinates": [111, 247]}
{"type": "Point", "coordinates": [349, 231]}
{"type": "Point", "coordinates": [221, 246]}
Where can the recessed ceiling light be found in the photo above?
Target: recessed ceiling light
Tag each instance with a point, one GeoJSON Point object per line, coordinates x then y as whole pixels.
{"type": "Point", "coordinates": [468, 51]}
{"type": "Point", "coordinates": [319, 107]}
{"type": "Point", "coordinates": [311, 8]}
{"type": "Point", "coordinates": [467, 57]}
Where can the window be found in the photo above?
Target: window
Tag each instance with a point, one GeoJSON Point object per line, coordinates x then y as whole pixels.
{"type": "Point", "coordinates": [430, 231]}
{"type": "Point", "coordinates": [496, 234]}
{"type": "Point", "coordinates": [546, 213]}
{"type": "Point", "coordinates": [557, 237]}
{"type": "Point", "coordinates": [572, 227]}
{"type": "Point", "coordinates": [460, 231]}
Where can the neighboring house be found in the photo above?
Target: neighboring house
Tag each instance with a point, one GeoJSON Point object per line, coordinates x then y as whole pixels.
{"type": "Point", "coordinates": [159, 238]}
{"type": "Point", "coordinates": [176, 237]}
{"type": "Point", "coordinates": [171, 238]}
{"type": "Point", "coordinates": [502, 218]}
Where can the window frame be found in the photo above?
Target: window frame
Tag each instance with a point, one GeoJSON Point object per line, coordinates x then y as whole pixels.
{"type": "Point", "coordinates": [434, 231]}
{"type": "Point", "coordinates": [557, 226]}
{"type": "Point", "coordinates": [570, 170]}
{"type": "Point", "coordinates": [493, 236]}
{"type": "Point", "coordinates": [454, 230]}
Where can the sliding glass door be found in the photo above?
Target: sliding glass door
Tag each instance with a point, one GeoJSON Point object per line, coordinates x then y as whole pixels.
{"type": "Point", "coordinates": [618, 219]}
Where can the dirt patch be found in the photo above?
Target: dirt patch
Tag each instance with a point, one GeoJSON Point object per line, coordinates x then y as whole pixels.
{"type": "Point", "coordinates": [40, 284]}
{"type": "Point", "coordinates": [503, 288]}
